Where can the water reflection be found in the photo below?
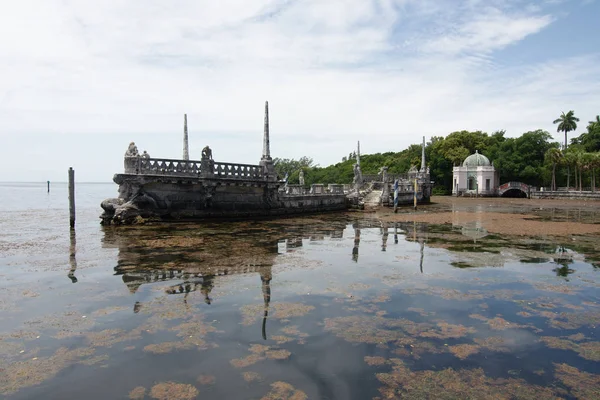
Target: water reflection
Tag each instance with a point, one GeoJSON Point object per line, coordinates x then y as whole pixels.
{"type": "Point", "coordinates": [356, 243]}
{"type": "Point", "coordinates": [146, 256]}
{"type": "Point", "coordinates": [384, 235]}
{"type": "Point", "coordinates": [195, 288]}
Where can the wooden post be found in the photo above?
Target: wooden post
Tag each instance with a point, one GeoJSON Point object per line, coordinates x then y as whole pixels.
{"type": "Point", "coordinates": [72, 197]}
{"type": "Point", "coordinates": [48, 186]}
{"type": "Point", "coordinates": [415, 195]}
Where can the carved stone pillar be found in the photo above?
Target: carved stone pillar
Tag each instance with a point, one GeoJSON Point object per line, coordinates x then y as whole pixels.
{"type": "Point", "coordinates": [266, 162]}
{"type": "Point", "coordinates": [186, 150]}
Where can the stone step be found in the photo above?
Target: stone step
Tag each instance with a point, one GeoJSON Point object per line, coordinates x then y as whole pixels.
{"type": "Point", "coordinates": [373, 198]}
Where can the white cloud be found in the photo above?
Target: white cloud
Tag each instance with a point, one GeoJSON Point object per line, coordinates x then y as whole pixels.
{"type": "Point", "coordinates": [488, 31]}
{"type": "Point", "coordinates": [79, 80]}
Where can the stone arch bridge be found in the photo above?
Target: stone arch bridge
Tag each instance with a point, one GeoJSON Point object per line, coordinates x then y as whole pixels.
{"type": "Point", "coordinates": [514, 189]}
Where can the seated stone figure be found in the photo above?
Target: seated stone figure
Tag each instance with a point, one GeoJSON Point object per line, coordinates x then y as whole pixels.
{"type": "Point", "coordinates": [207, 153]}
{"type": "Point", "coordinates": [145, 154]}
{"type": "Point", "coordinates": [132, 150]}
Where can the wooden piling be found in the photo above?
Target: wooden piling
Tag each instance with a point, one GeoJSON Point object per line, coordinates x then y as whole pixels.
{"type": "Point", "coordinates": [72, 197]}
{"type": "Point", "coordinates": [415, 196]}
{"type": "Point", "coordinates": [48, 186]}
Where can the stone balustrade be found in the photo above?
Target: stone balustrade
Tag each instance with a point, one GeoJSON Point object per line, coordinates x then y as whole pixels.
{"type": "Point", "coordinates": [335, 188]}
{"type": "Point", "coordinates": [295, 190]}
{"type": "Point", "coordinates": [237, 171]}
{"type": "Point", "coordinates": [190, 168]}
{"type": "Point", "coordinates": [317, 189]}
{"type": "Point", "coordinates": [164, 166]}
{"type": "Point", "coordinates": [366, 178]}
{"type": "Point", "coordinates": [207, 168]}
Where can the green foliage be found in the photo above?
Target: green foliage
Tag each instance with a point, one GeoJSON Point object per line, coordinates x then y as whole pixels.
{"type": "Point", "coordinates": [590, 140]}
{"type": "Point", "coordinates": [289, 166]}
{"type": "Point", "coordinates": [532, 158]}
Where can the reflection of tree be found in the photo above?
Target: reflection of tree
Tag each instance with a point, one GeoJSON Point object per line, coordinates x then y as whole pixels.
{"type": "Point", "coordinates": [563, 271]}
{"type": "Point", "coordinates": [563, 258]}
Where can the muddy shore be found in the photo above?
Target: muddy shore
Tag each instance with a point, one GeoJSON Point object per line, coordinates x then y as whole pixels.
{"type": "Point", "coordinates": [522, 217]}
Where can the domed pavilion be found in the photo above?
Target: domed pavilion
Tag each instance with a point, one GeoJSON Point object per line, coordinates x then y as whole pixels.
{"type": "Point", "coordinates": [476, 176]}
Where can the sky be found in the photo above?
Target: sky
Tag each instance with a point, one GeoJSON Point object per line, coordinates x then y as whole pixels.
{"type": "Point", "coordinates": [81, 79]}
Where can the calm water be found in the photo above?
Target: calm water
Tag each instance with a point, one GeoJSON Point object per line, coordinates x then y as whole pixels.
{"type": "Point", "coordinates": [341, 306]}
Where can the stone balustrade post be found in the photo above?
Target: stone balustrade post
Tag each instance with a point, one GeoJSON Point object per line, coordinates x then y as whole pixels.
{"type": "Point", "coordinates": [207, 168]}
{"type": "Point", "coordinates": [132, 165]}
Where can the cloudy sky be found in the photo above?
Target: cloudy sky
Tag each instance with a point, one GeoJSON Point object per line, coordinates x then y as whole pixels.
{"type": "Point", "coordinates": [81, 79]}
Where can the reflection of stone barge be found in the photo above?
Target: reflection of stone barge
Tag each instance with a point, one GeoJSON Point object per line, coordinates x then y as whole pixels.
{"type": "Point", "coordinates": [186, 189]}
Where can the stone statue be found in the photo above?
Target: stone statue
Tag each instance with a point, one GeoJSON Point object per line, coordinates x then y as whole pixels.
{"type": "Point", "coordinates": [357, 176]}
{"type": "Point", "coordinates": [132, 150]}
{"type": "Point", "coordinates": [383, 173]}
{"type": "Point", "coordinates": [207, 153]}
{"type": "Point", "coordinates": [301, 177]}
{"type": "Point", "coordinates": [145, 154]}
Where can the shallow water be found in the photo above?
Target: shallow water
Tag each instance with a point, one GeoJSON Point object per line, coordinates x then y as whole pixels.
{"type": "Point", "coordinates": [337, 306]}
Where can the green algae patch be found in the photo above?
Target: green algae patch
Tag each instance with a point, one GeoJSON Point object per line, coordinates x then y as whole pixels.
{"type": "Point", "coordinates": [284, 391]}
{"type": "Point", "coordinates": [282, 311]}
{"type": "Point", "coordinates": [587, 350]}
{"type": "Point", "coordinates": [172, 390]}
{"type": "Point", "coordinates": [583, 385]}
{"type": "Point", "coordinates": [401, 382]}
{"type": "Point", "coordinates": [463, 351]}
{"type": "Point", "coordinates": [137, 393]}
{"type": "Point", "coordinates": [251, 376]}
{"type": "Point", "coordinates": [206, 380]}
{"type": "Point", "coordinates": [260, 352]}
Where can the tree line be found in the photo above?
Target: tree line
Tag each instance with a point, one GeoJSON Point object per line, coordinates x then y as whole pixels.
{"type": "Point", "coordinates": [532, 158]}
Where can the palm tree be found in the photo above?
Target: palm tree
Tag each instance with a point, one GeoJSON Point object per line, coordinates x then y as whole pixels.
{"type": "Point", "coordinates": [566, 123]}
{"type": "Point", "coordinates": [588, 160]}
{"type": "Point", "coordinates": [579, 161]}
{"type": "Point", "coordinates": [568, 159]}
{"type": "Point", "coordinates": [554, 156]}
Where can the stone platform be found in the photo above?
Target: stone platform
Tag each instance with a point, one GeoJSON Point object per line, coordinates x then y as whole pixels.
{"type": "Point", "coordinates": [218, 190]}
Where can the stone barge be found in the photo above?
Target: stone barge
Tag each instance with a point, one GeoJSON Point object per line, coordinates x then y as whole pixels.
{"type": "Point", "coordinates": [172, 189]}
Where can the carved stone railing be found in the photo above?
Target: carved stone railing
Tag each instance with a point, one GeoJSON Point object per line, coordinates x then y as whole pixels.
{"type": "Point", "coordinates": [295, 189]}
{"type": "Point", "coordinates": [335, 188]}
{"type": "Point", "coordinates": [165, 166]}
{"type": "Point", "coordinates": [192, 168]}
{"type": "Point", "coordinates": [237, 171]}
{"type": "Point", "coordinates": [317, 189]}
{"type": "Point", "coordinates": [371, 178]}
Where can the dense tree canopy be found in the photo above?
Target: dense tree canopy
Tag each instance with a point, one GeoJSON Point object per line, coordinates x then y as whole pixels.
{"type": "Point", "coordinates": [532, 158]}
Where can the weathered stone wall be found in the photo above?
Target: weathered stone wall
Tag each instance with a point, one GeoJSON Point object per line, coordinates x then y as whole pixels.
{"type": "Point", "coordinates": [565, 195]}
{"type": "Point", "coordinates": [186, 197]}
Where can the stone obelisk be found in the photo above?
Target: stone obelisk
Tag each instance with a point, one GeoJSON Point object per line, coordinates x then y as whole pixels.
{"type": "Point", "coordinates": [423, 167]}
{"type": "Point", "coordinates": [186, 149]}
{"type": "Point", "coordinates": [266, 161]}
{"type": "Point", "coordinates": [266, 155]}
